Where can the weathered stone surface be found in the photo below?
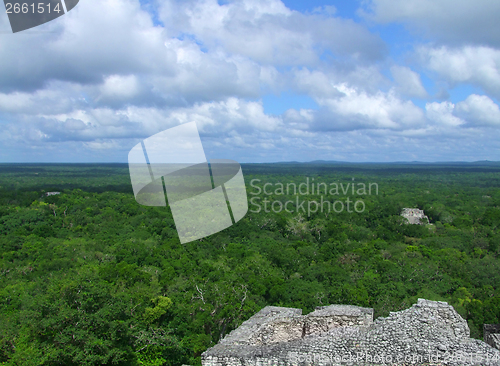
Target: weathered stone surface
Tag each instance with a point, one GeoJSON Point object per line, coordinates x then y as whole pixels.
{"type": "Point", "coordinates": [428, 333]}
{"type": "Point", "coordinates": [415, 216]}
{"type": "Point", "coordinates": [492, 335]}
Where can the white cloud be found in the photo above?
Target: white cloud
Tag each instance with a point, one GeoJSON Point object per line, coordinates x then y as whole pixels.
{"type": "Point", "coordinates": [479, 110]}
{"type": "Point", "coordinates": [56, 98]}
{"type": "Point", "coordinates": [321, 82]}
{"type": "Point", "coordinates": [120, 87]}
{"type": "Point", "coordinates": [108, 77]}
{"type": "Point", "coordinates": [408, 82]}
{"type": "Point", "coordinates": [475, 111]}
{"type": "Point", "coordinates": [268, 32]}
{"type": "Point", "coordinates": [214, 118]}
{"type": "Point", "coordinates": [315, 83]}
{"type": "Point", "coordinates": [477, 65]}
{"type": "Point", "coordinates": [96, 38]}
{"type": "Point", "coordinates": [442, 114]}
{"type": "Point", "coordinates": [356, 109]}
{"type": "Point", "coordinates": [102, 145]}
{"type": "Point", "coordinates": [459, 22]}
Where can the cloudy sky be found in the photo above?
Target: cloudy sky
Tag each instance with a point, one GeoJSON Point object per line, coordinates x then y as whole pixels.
{"type": "Point", "coordinates": [265, 80]}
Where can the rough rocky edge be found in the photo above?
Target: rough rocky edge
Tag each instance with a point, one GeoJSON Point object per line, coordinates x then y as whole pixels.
{"type": "Point", "coordinates": [428, 333]}
{"type": "Point", "coordinates": [492, 335]}
{"type": "Point", "coordinates": [415, 216]}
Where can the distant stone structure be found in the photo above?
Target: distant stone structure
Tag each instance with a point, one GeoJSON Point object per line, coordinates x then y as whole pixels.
{"type": "Point", "coordinates": [491, 335]}
{"type": "Point", "coordinates": [428, 333]}
{"type": "Point", "coordinates": [52, 193]}
{"type": "Point", "coordinates": [415, 216]}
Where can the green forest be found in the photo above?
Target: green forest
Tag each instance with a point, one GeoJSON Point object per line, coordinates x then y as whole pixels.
{"type": "Point", "coordinates": [90, 277]}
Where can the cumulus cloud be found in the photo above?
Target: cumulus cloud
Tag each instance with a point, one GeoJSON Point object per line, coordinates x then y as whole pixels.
{"type": "Point", "coordinates": [315, 83]}
{"type": "Point", "coordinates": [458, 22]}
{"type": "Point", "coordinates": [120, 87]}
{"type": "Point", "coordinates": [475, 111]}
{"type": "Point", "coordinates": [56, 97]}
{"type": "Point", "coordinates": [113, 49]}
{"type": "Point", "coordinates": [214, 119]}
{"type": "Point", "coordinates": [442, 114]}
{"type": "Point", "coordinates": [268, 32]}
{"type": "Point", "coordinates": [479, 110]}
{"type": "Point", "coordinates": [95, 39]}
{"type": "Point", "coordinates": [408, 82]}
{"type": "Point", "coordinates": [113, 72]}
{"type": "Point", "coordinates": [322, 83]}
{"type": "Point", "coordinates": [476, 65]}
{"type": "Point", "coordinates": [356, 109]}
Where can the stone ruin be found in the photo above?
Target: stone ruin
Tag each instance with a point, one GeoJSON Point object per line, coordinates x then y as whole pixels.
{"type": "Point", "coordinates": [415, 216]}
{"type": "Point", "coordinates": [428, 333]}
{"type": "Point", "coordinates": [492, 335]}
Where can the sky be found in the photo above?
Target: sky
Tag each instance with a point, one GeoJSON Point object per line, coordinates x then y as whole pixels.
{"type": "Point", "coordinates": [264, 80]}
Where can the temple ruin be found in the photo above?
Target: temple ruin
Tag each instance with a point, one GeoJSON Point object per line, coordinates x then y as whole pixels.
{"type": "Point", "coordinates": [428, 333]}
{"type": "Point", "coordinates": [415, 216]}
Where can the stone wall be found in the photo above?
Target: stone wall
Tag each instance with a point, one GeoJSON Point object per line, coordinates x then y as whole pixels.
{"type": "Point", "coordinates": [492, 335]}
{"type": "Point", "coordinates": [415, 216]}
{"type": "Point", "coordinates": [276, 324]}
{"type": "Point", "coordinates": [428, 333]}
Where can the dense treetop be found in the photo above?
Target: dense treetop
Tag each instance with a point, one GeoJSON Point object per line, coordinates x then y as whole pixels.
{"type": "Point", "coordinates": [90, 277]}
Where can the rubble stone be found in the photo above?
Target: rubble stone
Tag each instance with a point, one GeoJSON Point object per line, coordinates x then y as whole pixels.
{"type": "Point", "coordinates": [428, 333]}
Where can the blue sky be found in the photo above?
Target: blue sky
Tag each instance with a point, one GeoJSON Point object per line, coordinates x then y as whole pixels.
{"type": "Point", "coordinates": [265, 81]}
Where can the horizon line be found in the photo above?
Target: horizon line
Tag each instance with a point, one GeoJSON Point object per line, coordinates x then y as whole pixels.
{"type": "Point", "coordinates": [295, 162]}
